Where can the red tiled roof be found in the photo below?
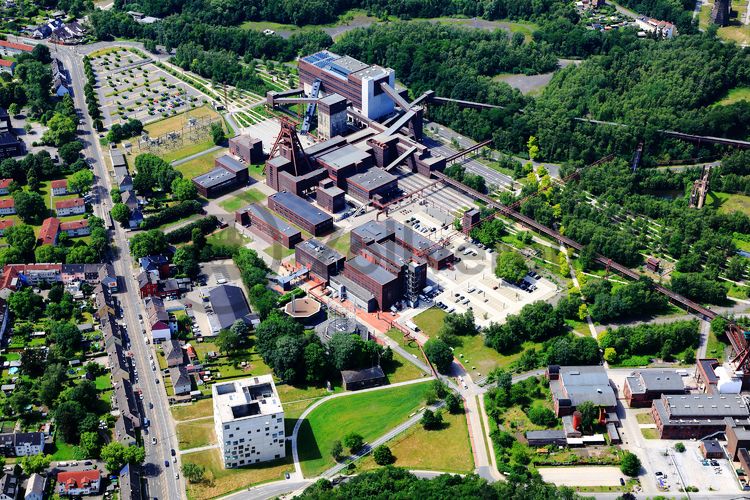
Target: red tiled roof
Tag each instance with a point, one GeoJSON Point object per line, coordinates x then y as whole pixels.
{"type": "Point", "coordinates": [74, 224]}
{"type": "Point", "coordinates": [6, 223]}
{"type": "Point", "coordinates": [73, 202]}
{"type": "Point", "coordinates": [77, 479]}
{"type": "Point", "coordinates": [48, 233]}
{"type": "Point", "coordinates": [7, 203]}
{"type": "Point", "coordinates": [17, 46]}
{"type": "Point", "coordinates": [60, 183]}
{"type": "Point", "coordinates": [6, 63]}
{"type": "Point", "coordinates": [5, 183]}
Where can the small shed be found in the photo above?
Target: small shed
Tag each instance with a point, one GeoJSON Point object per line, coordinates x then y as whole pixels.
{"type": "Point", "coordinates": [711, 449]}
{"type": "Point", "coordinates": [355, 380]}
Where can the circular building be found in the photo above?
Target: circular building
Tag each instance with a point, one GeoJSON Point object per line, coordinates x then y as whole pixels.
{"type": "Point", "coordinates": [305, 310]}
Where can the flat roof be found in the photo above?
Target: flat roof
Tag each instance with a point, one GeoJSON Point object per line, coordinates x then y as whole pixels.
{"type": "Point", "coordinates": [245, 398]}
{"type": "Point", "coordinates": [332, 99]}
{"type": "Point", "coordinates": [264, 214]}
{"type": "Point", "coordinates": [229, 304]}
{"type": "Point", "coordinates": [705, 406]}
{"type": "Point", "coordinates": [344, 156]}
{"type": "Point", "coordinates": [584, 383]}
{"type": "Point", "coordinates": [230, 163]}
{"type": "Point", "coordinates": [215, 177]}
{"type": "Point", "coordinates": [412, 238]}
{"type": "Point", "coordinates": [373, 230]}
{"type": "Point", "coordinates": [372, 178]}
{"type": "Point", "coordinates": [656, 380]}
{"type": "Point", "coordinates": [355, 289]}
{"type": "Point", "coordinates": [374, 373]}
{"type": "Point", "coordinates": [301, 207]}
{"type": "Point", "coordinates": [374, 271]}
{"type": "Point", "coordinates": [319, 251]}
{"type": "Point", "coordinates": [391, 252]}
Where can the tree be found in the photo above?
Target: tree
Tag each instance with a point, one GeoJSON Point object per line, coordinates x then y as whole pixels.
{"type": "Point", "coordinates": [70, 152]}
{"type": "Point", "coordinates": [35, 463]}
{"type": "Point", "coordinates": [337, 450]}
{"type": "Point", "coordinates": [193, 472]}
{"type": "Point", "coordinates": [116, 195]}
{"type": "Point", "coordinates": [383, 455]}
{"type": "Point", "coordinates": [431, 420]}
{"type": "Point", "coordinates": [217, 133]}
{"type": "Point", "coordinates": [540, 415]}
{"type": "Point", "coordinates": [589, 414]}
{"type": "Point", "coordinates": [25, 304]}
{"type": "Point", "coordinates": [60, 129]}
{"type": "Point", "coordinates": [115, 455]}
{"type": "Point", "coordinates": [354, 442]}
{"type": "Point", "coordinates": [22, 238]}
{"type": "Point", "coordinates": [67, 416]}
{"type": "Point", "coordinates": [67, 338]}
{"type": "Point", "coordinates": [679, 447]}
{"type": "Point", "coordinates": [89, 445]}
{"type": "Point", "coordinates": [184, 189]}
{"type": "Point", "coordinates": [228, 341]}
{"type": "Point", "coordinates": [30, 207]}
{"type": "Point", "coordinates": [736, 268]}
{"type": "Point", "coordinates": [152, 242]}
{"type": "Point", "coordinates": [344, 349]}
{"type": "Point", "coordinates": [630, 464]}
{"type": "Point", "coordinates": [511, 267]}
{"type": "Point", "coordinates": [439, 355]}
{"type": "Point", "coordinates": [81, 181]}
{"type": "Point", "coordinates": [453, 403]}
{"type": "Point", "coordinates": [14, 109]}
{"type": "Point", "coordinates": [316, 362]}
{"type": "Point", "coordinates": [610, 355]}
{"type": "Point", "coordinates": [121, 213]}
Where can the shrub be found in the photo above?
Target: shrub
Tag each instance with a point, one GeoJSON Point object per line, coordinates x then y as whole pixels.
{"type": "Point", "coordinates": [383, 455]}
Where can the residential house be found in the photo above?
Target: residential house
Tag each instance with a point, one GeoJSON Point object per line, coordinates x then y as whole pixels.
{"type": "Point", "coordinates": [12, 49]}
{"type": "Point", "coordinates": [5, 224]}
{"type": "Point", "coordinates": [82, 272]}
{"type": "Point", "coordinates": [59, 187]}
{"type": "Point", "coordinates": [78, 483]}
{"type": "Point", "coordinates": [7, 207]}
{"type": "Point", "coordinates": [147, 285]}
{"type": "Point", "coordinates": [158, 264]}
{"type": "Point", "coordinates": [76, 228]}
{"type": "Point", "coordinates": [60, 84]}
{"type": "Point", "coordinates": [173, 353]}
{"type": "Point", "coordinates": [35, 487]}
{"type": "Point", "coordinates": [161, 323]}
{"type": "Point", "coordinates": [124, 432]}
{"type": "Point", "coordinates": [72, 206]}
{"type": "Point", "coordinates": [10, 146]}
{"type": "Point", "coordinates": [136, 215]}
{"type": "Point", "coordinates": [130, 482]}
{"type": "Point", "coordinates": [4, 183]}
{"type": "Point", "coordinates": [108, 278]}
{"type": "Point", "coordinates": [7, 66]}
{"type": "Point", "coordinates": [124, 400]}
{"type": "Point", "coordinates": [9, 486]}
{"type": "Point", "coordinates": [49, 231]}
{"type": "Point", "coordinates": [21, 444]}
{"type": "Point", "coordinates": [180, 380]}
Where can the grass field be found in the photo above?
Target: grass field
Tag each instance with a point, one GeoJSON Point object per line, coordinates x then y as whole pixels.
{"type": "Point", "coordinates": [447, 449]}
{"type": "Point", "coordinates": [188, 150]}
{"type": "Point", "coordinates": [242, 199]}
{"type": "Point", "coordinates": [649, 433]}
{"type": "Point", "coordinates": [727, 203]}
{"type": "Point", "coordinates": [196, 434]}
{"type": "Point", "coordinates": [200, 165]}
{"type": "Point", "coordinates": [410, 346]}
{"type": "Point", "coordinates": [430, 320]}
{"type": "Point", "coordinates": [340, 244]}
{"type": "Point", "coordinates": [202, 408]}
{"type": "Point", "coordinates": [715, 348]}
{"type": "Point", "coordinates": [176, 122]}
{"type": "Point", "coordinates": [220, 481]}
{"type": "Point", "coordinates": [228, 236]}
{"type": "Point", "coordinates": [278, 252]}
{"type": "Point", "coordinates": [370, 414]}
{"type": "Point", "coordinates": [644, 418]}
{"type": "Point", "coordinates": [736, 95]}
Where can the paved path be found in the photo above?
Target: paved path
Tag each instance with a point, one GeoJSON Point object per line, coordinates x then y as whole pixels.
{"type": "Point", "coordinates": [200, 448]}
{"type": "Point", "coordinates": [582, 476]}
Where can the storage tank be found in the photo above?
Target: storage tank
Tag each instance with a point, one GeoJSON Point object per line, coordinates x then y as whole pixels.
{"type": "Point", "coordinates": [577, 420]}
{"type": "Point", "coordinates": [728, 382]}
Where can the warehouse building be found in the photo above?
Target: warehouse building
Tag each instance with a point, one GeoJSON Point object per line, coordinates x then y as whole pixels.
{"type": "Point", "coordinates": [374, 183]}
{"type": "Point", "coordinates": [228, 174]}
{"type": "Point", "coordinates": [322, 261]}
{"type": "Point", "coordinates": [264, 223]}
{"type": "Point", "coordinates": [696, 415]}
{"type": "Point", "coordinates": [383, 285]}
{"type": "Point", "coordinates": [248, 149]}
{"type": "Point", "coordinates": [642, 387]}
{"type": "Point", "coordinates": [573, 385]}
{"type": "Point", "coordinates": [301, 213]}
{"type": "Point", "coordinates": [329, 197]}
{"type": "Point", "coordinates": [412, 275]}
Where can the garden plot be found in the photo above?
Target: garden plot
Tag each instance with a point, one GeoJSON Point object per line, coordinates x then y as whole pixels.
{"type": "Point", "coordinates": [131, 86]}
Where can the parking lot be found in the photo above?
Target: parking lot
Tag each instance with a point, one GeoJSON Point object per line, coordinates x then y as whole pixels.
{"type": "Point", "coordinates": [471, 283]}
{"type": "Point", "coordinates": [223, 271]}
{"type": "Point", "coordinates": [131, 86]}
{"type": "Point", "coordinates": [674, 470]}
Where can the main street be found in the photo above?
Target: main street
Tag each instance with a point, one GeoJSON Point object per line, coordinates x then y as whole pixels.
{"type": "Point", "coordinates": [162, 482]}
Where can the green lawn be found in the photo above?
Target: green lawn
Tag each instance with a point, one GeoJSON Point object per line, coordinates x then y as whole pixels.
{"type": "Point", "coordinates": [62, 450]}
{"type": "Point", "coordinates": [736, 95]}
{"type": "Point", "coordinates": [715, 347]}
{"type": "Point", "coordinates": [201, 408]}
{"type": "Point", "coordinates": [431, 320]}
{"type": "Point", "coordinates": [220, 481]}
{"type": "Point", "coordinates": [228, 236]}
{"type": "Point", "coordinates": [242, 199]}
{"type": "Point", "coordinates": [447, 449]}
{"type": "Point", "coordinates": [196, 433]}
{"type": "Point", "coordinates": [200, 165]}
{"type": "Point", "coordinates": [369, 414]}
{"type": "Point", "coordinates": [411, 346]}
{"type": "Point", "coordinates": [727, 203]}
{"type": "Point", "coordinates": [188, 150]}
{"type": "Point", "coordinates": [340, 244]}
{"type": "Point", "coordinates": [649, 433]}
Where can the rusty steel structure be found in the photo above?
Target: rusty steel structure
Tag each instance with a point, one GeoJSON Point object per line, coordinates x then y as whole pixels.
{"type": "Point", "coordinates": [287, 145]}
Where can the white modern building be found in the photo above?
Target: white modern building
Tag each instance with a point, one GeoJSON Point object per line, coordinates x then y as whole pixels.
{"type": "Point", "coordinates": [249, 421]}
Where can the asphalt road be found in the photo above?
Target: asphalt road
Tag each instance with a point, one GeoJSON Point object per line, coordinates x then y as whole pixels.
{"type": "Point", "coordinates": [161, 481]}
